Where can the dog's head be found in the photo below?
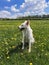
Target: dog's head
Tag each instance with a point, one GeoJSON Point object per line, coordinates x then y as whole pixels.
{"type": "Point", "coordinates": [24, 25]}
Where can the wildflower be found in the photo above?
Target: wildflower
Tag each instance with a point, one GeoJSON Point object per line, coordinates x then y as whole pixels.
{"type": "Point", "coordinates": [13, 47]}
{"type": "Point", "coordinates": [6, 43]}
{"type": "Point", "coordinates": [15, 39]}
{"type": "Point", "coordinates": [31, 64]}
{"type": "Point", "coordinates": [8, 57]}
{"type": "Point", "coordinates": [46, 54]}
{"type": "Point", "coordinates": [12, 38]}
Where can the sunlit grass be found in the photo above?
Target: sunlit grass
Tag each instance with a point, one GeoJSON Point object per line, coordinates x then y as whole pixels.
{"type": "Point", "coordinates": [10, 43]}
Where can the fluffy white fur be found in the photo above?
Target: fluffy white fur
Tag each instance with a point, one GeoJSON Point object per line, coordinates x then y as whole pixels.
{"type": "Point", "coordinates": [27, 34]}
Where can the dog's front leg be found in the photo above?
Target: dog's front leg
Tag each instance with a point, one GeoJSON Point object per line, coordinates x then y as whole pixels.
{"type": "Point", "coordinates": [23, 41]}
{"type": "Point", "coordinates": [29, 46]}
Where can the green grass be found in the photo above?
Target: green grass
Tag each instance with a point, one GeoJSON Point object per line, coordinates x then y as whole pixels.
{"type": "Point", "coordinates": [10, 43]}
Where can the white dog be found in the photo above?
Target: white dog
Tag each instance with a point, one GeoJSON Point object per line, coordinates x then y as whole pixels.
{"type": "Point", "coordinates": [27, 34]}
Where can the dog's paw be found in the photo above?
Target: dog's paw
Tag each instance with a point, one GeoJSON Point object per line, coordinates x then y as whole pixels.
{"type": "Point", "coordinates": [29, 51]}
{"type": "Point", "coordinates": [22, 48]}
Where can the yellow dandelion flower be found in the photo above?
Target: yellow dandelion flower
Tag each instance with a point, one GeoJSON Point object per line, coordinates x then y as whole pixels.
{"type": "Point", "coordinates": [14, 38]}
{"type": "Point", "coordinates": [31, 64]}
{"type": "Point", "coordinates": [13, 47]}
{"type": "Point", "coordinates": [8, 57]}
{"type": "Point", "coordinates": [6, 43]}
{"type": "Point", "coordinates": [46, 54]}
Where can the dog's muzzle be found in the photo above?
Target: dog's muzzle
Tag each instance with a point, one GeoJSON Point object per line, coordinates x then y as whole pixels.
{"type": "Point", "coordinates": [21, 29]}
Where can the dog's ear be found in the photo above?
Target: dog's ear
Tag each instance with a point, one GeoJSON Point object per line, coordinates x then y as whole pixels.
{"type": "Point", "coordinates": [28, 22]}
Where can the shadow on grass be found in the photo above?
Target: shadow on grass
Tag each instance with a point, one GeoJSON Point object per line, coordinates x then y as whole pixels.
{"type": "Point", "coordinates": [18, 49]}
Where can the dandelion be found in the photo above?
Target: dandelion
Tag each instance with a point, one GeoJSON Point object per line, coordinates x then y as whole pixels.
{"type": "Point", "coordinates": [13, 47]}
{"type": "Point", "coordinates": [15, 39]}
{"type": "Point", "coordinates": [12, 38]}
{"type": "Point", "coordinates": [31, 64]}
{"type": "Point", "coordinates": [6, 43]}
{"type": "Point", "coordinates": [46, 54]}
{"type": "Point", "coordinates": [8, 57]}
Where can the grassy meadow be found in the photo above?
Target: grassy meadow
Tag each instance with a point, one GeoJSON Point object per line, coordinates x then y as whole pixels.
{"type": "Point", "coordinates": [10, 43]}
